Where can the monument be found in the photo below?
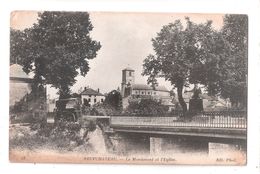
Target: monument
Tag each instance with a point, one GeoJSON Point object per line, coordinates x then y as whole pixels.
{"type": "Point", "coordinates": [196, 103]}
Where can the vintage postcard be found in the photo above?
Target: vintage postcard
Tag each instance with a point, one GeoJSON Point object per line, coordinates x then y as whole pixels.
{"type": "Point", "coordinates": [128, 88]}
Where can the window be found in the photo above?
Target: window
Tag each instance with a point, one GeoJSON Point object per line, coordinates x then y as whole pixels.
{"type": "Point", "coordinates": [95, 100]}
{"type": "Point", "coordinates": [89, 100]}
{"type": "Point", "coordinates": [102, 100]}
{"type": "Point", "coordinates": [130, 73]}
{"type": "Point", "coordinates": [148, 93]}
{"type": "Point", "coordinates": [89, 95]}
{"type": "Point", "coordinates": [85, 102]}
{"type": "Point", "coordinates": [136, 92]}
{"type": "Point", "coordinates": [142, 92]}
{"type": "Point", "coordinates": [154, 93]}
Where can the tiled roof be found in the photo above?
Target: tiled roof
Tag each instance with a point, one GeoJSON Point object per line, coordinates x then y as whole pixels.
{"type": "Point", "coordinates": [90, 91]}
{"type": "Point", "coordinates": [147, 87]}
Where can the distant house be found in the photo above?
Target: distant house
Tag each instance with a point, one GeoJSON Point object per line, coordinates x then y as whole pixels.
{"type": "Point", "coordinates": [210, 103]}
{"type": "Point", "coordinates": [89, 97]}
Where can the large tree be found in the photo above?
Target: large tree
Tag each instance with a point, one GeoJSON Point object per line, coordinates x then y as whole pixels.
{"type": "Point", "coordinates": [228, 76]}
{"type": "Point", "coordinates": [186, 55]}
{"type": "Point", "coordinates": [56, 48]}
{"type": "Point", "coordinates": [234, 84]}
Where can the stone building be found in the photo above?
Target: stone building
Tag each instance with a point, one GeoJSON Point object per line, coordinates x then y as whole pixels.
{"type": "Point", "coordinates": [131, 90]}
{"type": "Point", "coordinates": [29, 105]}
{"type": "Point", "coordinates": [19, 84]}
{"type": "Point", "coordinates": [89, 97]}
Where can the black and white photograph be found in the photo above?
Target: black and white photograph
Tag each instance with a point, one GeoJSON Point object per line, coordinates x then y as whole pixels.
{"type": "Point", "coordinates": [128, 88]}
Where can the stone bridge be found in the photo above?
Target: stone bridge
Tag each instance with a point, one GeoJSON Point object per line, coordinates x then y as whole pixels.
{"type": "Point", "coordinates": [167, 132]}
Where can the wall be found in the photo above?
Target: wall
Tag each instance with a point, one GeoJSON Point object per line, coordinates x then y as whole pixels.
{"type": "Point", "coordinates": [18, 91]}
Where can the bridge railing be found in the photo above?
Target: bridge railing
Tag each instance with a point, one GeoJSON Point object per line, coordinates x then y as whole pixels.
{"type": "Point", "coordinates": [221, 119]}
{"type": "Point", "coordinates": [227, 119]}
{"type": "Point", "coordinates": [145, 114]}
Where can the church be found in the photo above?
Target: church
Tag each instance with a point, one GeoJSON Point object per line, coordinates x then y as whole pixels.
{"type": "Point", "coordinates": [131, 90]}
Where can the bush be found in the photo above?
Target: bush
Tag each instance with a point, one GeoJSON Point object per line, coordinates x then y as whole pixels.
{"type": "Point", "coordinates": [100, 109]}
{"type": "Point", "coordinates": [114, 100]}
{"type": "Point", "coordinates": [147, 107]}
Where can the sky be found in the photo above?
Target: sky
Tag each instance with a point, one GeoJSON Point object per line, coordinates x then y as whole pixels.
{"type": "Point", "coordinates": [126, 42]}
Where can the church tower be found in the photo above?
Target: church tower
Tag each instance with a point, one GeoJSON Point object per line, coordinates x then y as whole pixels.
{"type": "Point", "coordinates": [128, 78]}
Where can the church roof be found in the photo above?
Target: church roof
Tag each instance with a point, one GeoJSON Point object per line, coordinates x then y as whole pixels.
{"type": "Point", "coordinates": [89, 91]}
{"type": "Point", "coordinates": [17, 71]}
{"type": "Point", "coordinates": [147, 87]}
{"type": "Point", "coordinates": [128, 69]}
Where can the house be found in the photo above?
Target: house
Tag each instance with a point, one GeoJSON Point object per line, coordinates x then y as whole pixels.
{"type": "Point", "coordinates": [132, 91]}
{"type": "Point", "coordinates": [19, 84]}
{"type": "Point", "coordinates": [89, 97]}
{"type": "Point", "coordinates": [215, 103]}
{"type": "Point", "coordinates": [210, 103]}
{"type": "Point", "coordinates": [22, 99]}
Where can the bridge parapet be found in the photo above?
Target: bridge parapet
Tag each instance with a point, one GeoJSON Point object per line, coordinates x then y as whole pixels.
{"type": "Point", "coordinates": [236, 120]}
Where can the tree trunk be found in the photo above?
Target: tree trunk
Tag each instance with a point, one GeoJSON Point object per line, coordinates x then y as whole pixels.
{"type": "Point", "coordinates": [181, 100]}
{"type": "Point", "coordinates": [64, 92]}
{"type": "Point", "coordinates": [37, 85]}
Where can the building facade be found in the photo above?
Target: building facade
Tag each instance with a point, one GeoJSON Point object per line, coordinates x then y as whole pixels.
{"type": "Point", "coordinates": [19, 84]}
{"type": "Point", "coordinates": [89, 97]}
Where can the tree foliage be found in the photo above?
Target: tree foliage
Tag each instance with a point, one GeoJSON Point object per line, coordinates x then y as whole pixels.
{"type": "Point", "coordinates": [17, 45]}
{"type": "Point", "coordinates": [114, 99]}
{"type": "Point", "coordinates": [228, 77]}
{"type": "Point", "coordinates": [186, 56]}
{"type": "Point", "coordinates": [147, 107]}
{"type": "Point", "coordinates": [56, 48]}
{"type": "Point", "coordinates": [198, 54]}
{"type": "Point", "coordinates": [234, 84]}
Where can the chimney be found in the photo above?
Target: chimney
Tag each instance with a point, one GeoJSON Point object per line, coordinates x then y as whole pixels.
{"type": "Point", "coordinates": [85, 88]}
{"type": "Point", "coordinates": [98, 90]}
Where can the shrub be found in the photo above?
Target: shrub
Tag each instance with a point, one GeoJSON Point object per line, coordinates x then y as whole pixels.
{"type": "Point", "coordinates": [147, 107]}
